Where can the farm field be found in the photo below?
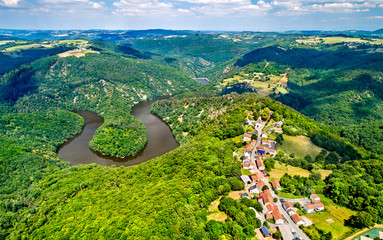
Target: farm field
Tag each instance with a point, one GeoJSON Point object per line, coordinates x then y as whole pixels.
{"type": "Point", "coordinates": [28, 46]}
{"type": "Point", "coordinates": [333, 40]}
{"type": "Point", "coordinates": [280, 170]}
{"type": "Point", "coordinates": [300, 146]}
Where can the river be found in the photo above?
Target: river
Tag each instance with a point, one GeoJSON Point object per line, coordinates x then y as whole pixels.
{"type": "Point", "coordinates": [160, 139]}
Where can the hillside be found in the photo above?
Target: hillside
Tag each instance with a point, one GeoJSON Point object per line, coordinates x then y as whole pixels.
{"type": "Point", "coordinates": [108, 83]}
{"type": "Point", "coordinates": [336, 85]}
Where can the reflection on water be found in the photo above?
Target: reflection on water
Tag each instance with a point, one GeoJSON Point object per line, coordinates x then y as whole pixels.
{"type": "Point", "coordinates": [160, 139]}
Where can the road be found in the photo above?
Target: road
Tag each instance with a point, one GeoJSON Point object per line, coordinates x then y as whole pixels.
{"type": "Point", "coordinates": [286, 216]}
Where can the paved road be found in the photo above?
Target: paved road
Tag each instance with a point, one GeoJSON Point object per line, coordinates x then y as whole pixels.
{"type": "Point", "coordinates": [287, 217]}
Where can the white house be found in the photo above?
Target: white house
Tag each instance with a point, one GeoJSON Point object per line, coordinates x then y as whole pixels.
{"type": "Point", "coordinates": [314, 197]}
{"type": "Point", "coordinates": [254, 190]}
{"type": "Point", "coordinates": [297, 220]}
{"type": "Point", "coordinates": [319, 206]}
{"type": "Point", "coordinates": [264, 135]}
{"type": "Point", "coordinates": [309, 208]}
{"type": "Point", "coordinates": [246, 137]}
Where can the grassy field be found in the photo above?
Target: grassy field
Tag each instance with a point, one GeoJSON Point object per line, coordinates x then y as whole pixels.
{"type": "Point", "coordinates": [281, 169]}
{"type": "Point", "coordinates": [28, 46]}
{"type": "Point", "coordinates": [332, 40]}
{"type": "Point", "coordinates": [332, 219]}
{"type": "Point", "coordinates": [76, 42]}
{"type": "Point", "coordinates": [215, 213]}
{"type": "Point", "coordinates": [262, 87]}
{"type": "Point", "coordinates": [299, 145]}
{"type": "Point", "coordinates": [6, 41]}
{"type": "Point", "coordinates": [245, 172]}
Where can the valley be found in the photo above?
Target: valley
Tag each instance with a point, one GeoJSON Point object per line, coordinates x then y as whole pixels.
{"type": "Point", "coordinates": [190, 135]}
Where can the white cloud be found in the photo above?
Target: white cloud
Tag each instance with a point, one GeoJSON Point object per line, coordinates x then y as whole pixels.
{"type": "Point", "coordinates": [143, 7]}
{"type": "Point", "coordinates": [10, 3]}
{"type": "Point", "coordinates": [299, 7]}
{"type": "Point", "coordinates": [216, 1]}
{"type": "Point", "coordinates": [71, 6]}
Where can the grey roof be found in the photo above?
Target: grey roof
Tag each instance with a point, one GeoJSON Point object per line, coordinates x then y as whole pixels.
{"type": "Point", "coordinates": [245, 179]}
{"type": "Point", "coordinates": [265, 231]}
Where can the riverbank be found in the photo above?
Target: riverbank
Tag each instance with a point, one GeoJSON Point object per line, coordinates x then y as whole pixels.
{"type": "Point", "coordinates": [160, 139]}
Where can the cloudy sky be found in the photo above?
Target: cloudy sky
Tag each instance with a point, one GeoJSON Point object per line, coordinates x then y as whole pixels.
{"type": "Point", "coordinates": [254, 15]}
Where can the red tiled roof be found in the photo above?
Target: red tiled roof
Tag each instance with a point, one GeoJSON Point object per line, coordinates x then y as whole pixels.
{"type": "Point", "coordinates": [310, 206]}
{"type": "Point", "coordinates": [319, 205]}
{"type": "Point", "coordinates": [269, 216]}
{"type": "Point", "coordinates": [314, 196]}
{"type": "Point", "coordinates": [269, 207]}
{"type": "Point", "coordinates": [277, 215]}
{"type": "Point", "coordinates": [275, 183]}
{"type": "Point", "coordinates": [288, 205]}
{"type": "Point", "coordinates": [259, 163]}
{"type": "Point", "coordinates": [296, 218]}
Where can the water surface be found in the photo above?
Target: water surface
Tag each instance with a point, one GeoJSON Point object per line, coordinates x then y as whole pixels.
{"type": "Point", "coordinates": [160, 139]}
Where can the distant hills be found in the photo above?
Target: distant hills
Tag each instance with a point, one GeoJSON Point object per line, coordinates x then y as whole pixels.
{"type": "Point", "coordinates": [118, 35]}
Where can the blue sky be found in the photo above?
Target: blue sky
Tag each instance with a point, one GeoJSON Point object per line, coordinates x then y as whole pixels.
{"type": "Point", "coordinates": [253, 15]}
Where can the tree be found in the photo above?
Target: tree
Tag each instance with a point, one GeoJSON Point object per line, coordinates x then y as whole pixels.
{"type": "Point", "coordinates": [265, 114]}
{"type": "Point", "coordinates": [361, 220]}
{"type": "Point", "coordinates": [332, 158]}
{"type": "Point", "coordinates": [277, 235]}
{"type": "Point", "coordinates": [265, 187]}
{"type": "Point", "coordinates": [315, 175]}
{"type": "Point", "coordinates": [279, 139]}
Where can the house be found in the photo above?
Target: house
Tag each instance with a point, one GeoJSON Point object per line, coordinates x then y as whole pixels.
{"type": "Point", "coordinates": [266, 143]}
{"type": "Point", "coordinates": [248, 150]}
{"type": "Point", "coordinates": [277, 130]}
{"type": "Point", "coordinates": [246, 137]}
{"type": "Point", "coordinates": [260, 185]}
{"type": "Point", "coordinates": [253, 142]}
{"type": "Point", "coordinates": [260, 164]}
{"type": "Point", "coordinates": [269, 216]}
{"type": "Point", "coordinates": [269, 208]}
{"type": "Point", "coordinates": [265, 231]}
{"type": "Point", "coordinates": [245, 179]}
{"type": "Point", "coordinates": [258, 176]}
{"type": "Point", "coordinates": [297, 219]}
{"type": "Point", "coordinates": [287, 206]}
{"type": "Point", "coordinates": [319, 206]}
{"type": "Point", "coordinates": [271, 151]}
{"type": "Point", "coordinates": [264, 156]}
{"type": "Point", "coordinates": [254, 190]}
{"type": "Point", "coordinates": [276, 185]}
{"type": "Point", "coordinates": [246, 164]}
{"type": "Point", "coordinates": [314, 197]}
{"type": "Point", "coordinates": [264, 135]}
{"type": "Point", "coordinates": [309, 208]}
{"type": "Point", "coordinates": [267, 200]}
{"type": "Point", "coordinates": [277, 216]}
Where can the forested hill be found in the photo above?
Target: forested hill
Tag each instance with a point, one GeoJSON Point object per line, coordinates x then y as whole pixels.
{"type": "Point", "coordinates": [338, 84]}
{"type": "Point", "coordinates": [107, 82]}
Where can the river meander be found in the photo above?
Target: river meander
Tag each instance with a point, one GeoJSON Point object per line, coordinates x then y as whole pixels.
{"type": "Point", "coordinates": [160, 139]}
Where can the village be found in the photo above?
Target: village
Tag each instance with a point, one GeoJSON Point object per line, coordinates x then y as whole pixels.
{"type": "Point", "coordinates": [279, 213]}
